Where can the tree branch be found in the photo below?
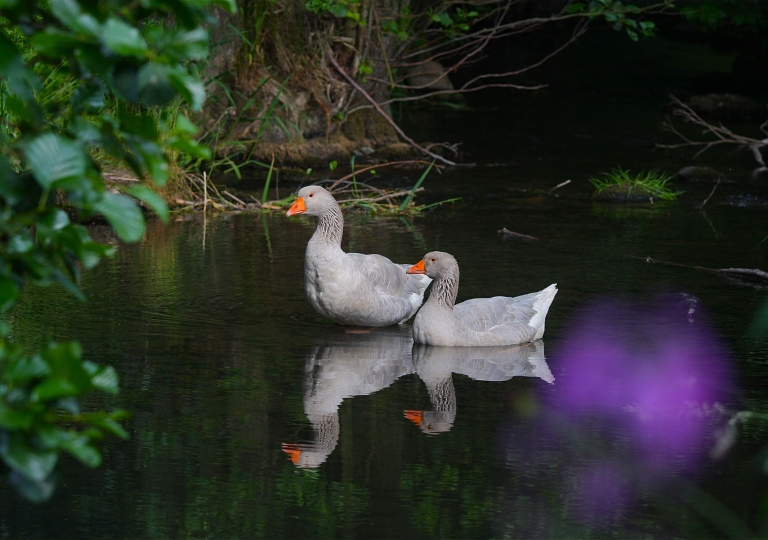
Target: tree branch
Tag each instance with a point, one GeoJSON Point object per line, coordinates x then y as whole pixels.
{"type": "Point", "coordinates": [383, 114]}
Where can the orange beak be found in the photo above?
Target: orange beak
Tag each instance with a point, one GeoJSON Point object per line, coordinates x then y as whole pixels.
{"type": "Point", "coordinates": [417, 268]}
{"type": "Point", "coordinates": [414, 416]}
{"type": "Point", "coordinates": [293, 451]}
{"type": "Point", "coordinates": [298, 207]}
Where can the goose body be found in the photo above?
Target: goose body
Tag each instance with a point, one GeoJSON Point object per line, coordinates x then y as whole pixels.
{"type": "Point", "coordinates": [500, 320]}
{"type": "Point", "coordinates": [352, 288]}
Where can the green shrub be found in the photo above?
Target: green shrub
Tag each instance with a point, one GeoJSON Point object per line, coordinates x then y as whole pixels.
{"type": "Point", "coordinates": [76, 77]}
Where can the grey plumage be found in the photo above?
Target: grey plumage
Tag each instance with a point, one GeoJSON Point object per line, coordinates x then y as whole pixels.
{"type": "Point", "coordinates": [500, 320]}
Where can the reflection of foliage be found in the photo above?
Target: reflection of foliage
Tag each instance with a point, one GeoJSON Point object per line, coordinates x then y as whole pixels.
{"type": "Point", "coordinates": [747, 15]}
{"type": "Point", "coordinates": [323, 506]}
{"type": "Point", "coordinates": [447, 502]}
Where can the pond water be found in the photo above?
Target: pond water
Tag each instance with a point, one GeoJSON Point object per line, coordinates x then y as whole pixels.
{"type": "Point", "coordinates": [253, 417]}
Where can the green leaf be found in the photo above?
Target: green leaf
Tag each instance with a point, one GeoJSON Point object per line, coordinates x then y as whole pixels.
{"type": "Point", "coordinates": [153, 85]}
{"type": "Point", "coordinates": [55, 219]}
{"type": "Point", "coordinates": [36, 491]}
{"type": "Point", "coordinates": [55, 389]}
{"type": "Point", "coordinates": [109, 425]}
{"type": "Point", "coordinates": [190, 87]}
{"type": "Point", "coordinates": [142, 125]}
{"type": "Point", "coordinates": [55, 42]}
{"type": "Point", "coordinates": [190, 146]}
{"type": "Point", "coordinates": [85, 131]}
{"type": "Point", "coordinates": [79, 447]}
{"type": "Point", "coordinates": [151, 199]}
{"type": "Point", "coordinates": [69, 12]}
{"type": "Point", "coordinates": [21, 456]}
{"type": "Point", "coordinates": [179, 44]}
{"type": "Point", "coordinates": [184, 125]}
{"type": "Point", "coordinates": [22, 242]}
{"type": "Point", "coordinates": [9, 292]}
{"type": "Point", "coordinates": [229, 5]}
{"type": "Point", "coordinates": [124, 216]}
{"type": "Point", "coordinates": [53, 158]}
{"type": "Point", "coordinates": [76, 239]}
{"type": "Point", "coordinates": [13, 419]}
{"type": "Point", "coordinates": [106, 380]}
{"type": "Point", "coordinates": [152, 157]}
{"type": "Point", "coordinates": [88, 98]}
{"type": "Point", "coordinates": [123, 38]}
{"type": "Point", "coordinates": [65, 361]}
{"type": "Point", "coordinates": [26, 369]}
{"type": "Point", "coordinates": [19, 78]}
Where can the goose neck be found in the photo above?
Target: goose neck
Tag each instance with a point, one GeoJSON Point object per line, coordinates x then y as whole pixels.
{"type": "Point", "coordinates": [445, 289]}
{"type": "Point", "coordinates": [330, 225]}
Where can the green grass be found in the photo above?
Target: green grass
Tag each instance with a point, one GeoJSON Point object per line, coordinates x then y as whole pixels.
{"type": "Point", "coordinates": [653, 182]}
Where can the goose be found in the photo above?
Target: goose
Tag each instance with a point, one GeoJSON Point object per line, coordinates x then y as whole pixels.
{"type": "Point", "coordinates": [351, 288]}
{"type": "Point", "coordinates": [478, 322]}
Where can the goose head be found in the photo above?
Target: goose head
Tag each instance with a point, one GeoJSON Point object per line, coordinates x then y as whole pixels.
{"type": "Point", "coordinates": [436, 264]}
{"type": "Point", "coordinates": [312, 201]}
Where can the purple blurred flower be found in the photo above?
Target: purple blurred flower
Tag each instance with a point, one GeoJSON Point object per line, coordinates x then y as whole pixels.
{"type": "Point", "coordinates": [650, 370]}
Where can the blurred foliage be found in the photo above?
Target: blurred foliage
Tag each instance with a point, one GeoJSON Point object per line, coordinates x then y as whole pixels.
{"type": "Point", "coordinates": [76, 78]}
{"type": "Point", "coordinates": [619, 15]}
{"type": "Point", "coordinates": [745, 15]}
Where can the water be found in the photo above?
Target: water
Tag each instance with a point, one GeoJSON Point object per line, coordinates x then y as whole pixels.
{"type": "Point", "coordinates": [224, 366]}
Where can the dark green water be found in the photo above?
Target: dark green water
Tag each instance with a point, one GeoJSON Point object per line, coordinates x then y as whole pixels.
{"type": "Point", "coordinates": [222, 359]}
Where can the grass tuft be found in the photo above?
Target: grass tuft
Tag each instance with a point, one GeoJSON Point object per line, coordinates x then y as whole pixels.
{"type": "Point", "coordinates": [654, 183]}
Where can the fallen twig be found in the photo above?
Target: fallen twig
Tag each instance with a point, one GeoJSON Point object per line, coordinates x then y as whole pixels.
{"type": "Point", "coordinates": [227, 193]}
{"type": "Point", "coordinates": [506, 233]}
{"type": "Point", "coordinates": [743, 272]}
{"type": "Point", "coordinates": [558, 186]}
{"type": "Point", "coordinates": [710, 195]}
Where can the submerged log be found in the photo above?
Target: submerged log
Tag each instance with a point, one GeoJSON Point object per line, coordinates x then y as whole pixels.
{"type": "Point", "coordinates": [751, 274]}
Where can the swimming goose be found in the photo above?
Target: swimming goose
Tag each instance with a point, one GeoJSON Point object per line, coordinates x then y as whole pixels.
{"type": "Point", "coordinates": [351, 288]}
{"type": "Point", "coordinates": [478, 322]}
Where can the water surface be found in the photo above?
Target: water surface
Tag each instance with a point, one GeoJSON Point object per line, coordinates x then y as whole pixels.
{"type": "Point", "coordinates": [230, 377]}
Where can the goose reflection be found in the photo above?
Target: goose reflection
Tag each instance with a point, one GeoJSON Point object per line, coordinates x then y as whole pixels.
{"type": "Point", "coordinates": [436, 365]}
{"type": "Point", "coordinates": [345, 364]}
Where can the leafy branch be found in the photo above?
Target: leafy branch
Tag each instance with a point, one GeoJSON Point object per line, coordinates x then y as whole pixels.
{"type": "Point", "coordinates": [117, 63]}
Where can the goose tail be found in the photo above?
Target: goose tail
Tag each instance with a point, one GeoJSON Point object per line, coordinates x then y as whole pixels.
{"type": "Point", "coordinates": [541, 306]}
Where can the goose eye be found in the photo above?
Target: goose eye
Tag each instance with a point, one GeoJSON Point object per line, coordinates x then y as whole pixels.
{"type": "Point", "coordinates": [311, 194]}
{"type": "Point", "coordinates": [432, 260]}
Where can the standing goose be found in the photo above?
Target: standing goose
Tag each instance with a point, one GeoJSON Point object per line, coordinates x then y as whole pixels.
{"type": "Point", "coordinates": [351, 288]}
{"type": "Point", "coordinates": [478, 322]}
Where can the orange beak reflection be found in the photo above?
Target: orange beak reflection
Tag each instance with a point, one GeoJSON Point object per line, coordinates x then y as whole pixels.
{"type": "Point", "coordinates": [414, 416]}
{"type": "Point", "coordinates": [417, 268]}
{"type": "Point", "coordinates": [293, 451]}
{"type": "Point", "coordinates": [298, 207]}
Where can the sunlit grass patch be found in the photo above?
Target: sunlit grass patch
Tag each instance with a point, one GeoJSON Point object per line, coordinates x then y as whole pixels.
{"type": "Point", "coordinates": [623, 184]}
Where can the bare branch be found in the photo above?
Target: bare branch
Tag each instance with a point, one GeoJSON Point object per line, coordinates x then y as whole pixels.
{"type": "Point", "coordinates": [721, 134]}
{"type": "Point", "coordinates": [383, 114]}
